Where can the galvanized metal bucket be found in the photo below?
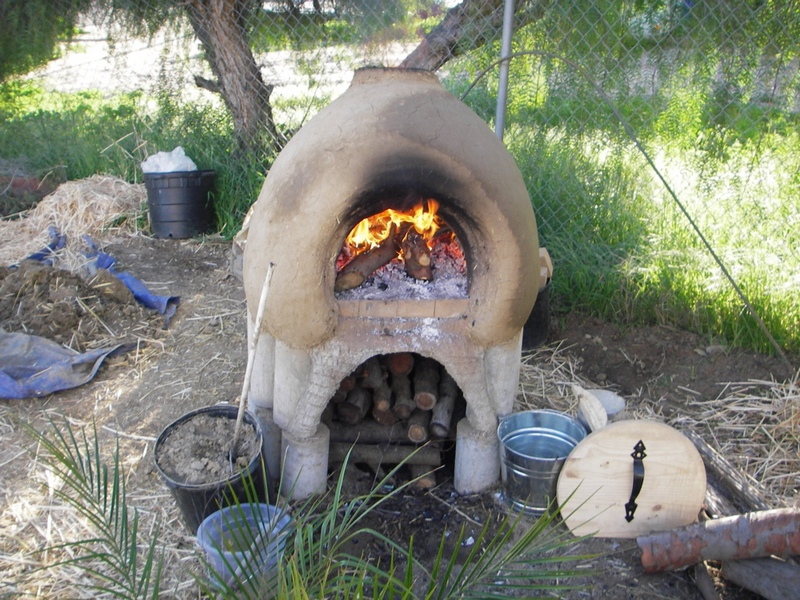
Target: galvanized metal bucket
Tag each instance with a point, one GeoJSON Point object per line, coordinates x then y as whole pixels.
{"type": "Point", "coordinates": [533, 447]}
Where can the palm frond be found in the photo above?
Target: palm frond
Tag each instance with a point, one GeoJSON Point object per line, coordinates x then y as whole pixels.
{"type": "Point", "coordinates": [110, 555]}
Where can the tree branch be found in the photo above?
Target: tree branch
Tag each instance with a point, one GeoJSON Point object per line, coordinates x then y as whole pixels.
{"type": "Point", "coordinates": [207, 84]}
{"type": "Point", "coordinates": [467, 26]}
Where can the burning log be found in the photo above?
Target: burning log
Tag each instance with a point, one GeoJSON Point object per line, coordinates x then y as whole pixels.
{"type": "Point", "coordinates": [426, 383]}
{"type": "Point", "coordinates": [443, 411]}
{"type": "Point", "coordinates": [356, 406]}
{"type": "Point", "coordinates": [751, 535]}
{"type": "Point", "coordinates": [356, 272]}
{"type": "Point", "coordinates": [418, 423]}
{"type": "Point", "coordinates": [416, 256]}
{"type": "Point", "coordinates": [400, 363]}
{"type": "Point", "coordinates": [403, 400]}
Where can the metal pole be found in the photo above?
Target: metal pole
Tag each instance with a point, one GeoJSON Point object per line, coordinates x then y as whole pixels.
{"type": "Point", "coordinates": [505, 52]}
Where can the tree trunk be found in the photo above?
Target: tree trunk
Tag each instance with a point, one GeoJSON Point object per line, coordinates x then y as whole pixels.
{"type": "Point", "coordinates": [467, 26]}
{"type": "Point", "coordinates": [220, 27]}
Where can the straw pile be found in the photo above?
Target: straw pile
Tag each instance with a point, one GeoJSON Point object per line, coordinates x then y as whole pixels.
{"type": "Point", "coordinates": [100, 207]}
{"type": "Point", "coordinates": [756, 425]}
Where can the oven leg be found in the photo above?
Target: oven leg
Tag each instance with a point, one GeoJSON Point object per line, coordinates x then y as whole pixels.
{"type": "Point", "coordinates": [305, 464]}
{"type": "Point", "coordinates": [477, 465]}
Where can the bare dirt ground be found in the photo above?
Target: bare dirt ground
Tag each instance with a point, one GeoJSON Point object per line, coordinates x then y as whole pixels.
{"type": "Point", "coordinates": [199, 360]}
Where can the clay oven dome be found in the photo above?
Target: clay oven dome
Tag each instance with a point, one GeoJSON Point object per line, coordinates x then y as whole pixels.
{"type": "Point", "coordinates": [393, 130]}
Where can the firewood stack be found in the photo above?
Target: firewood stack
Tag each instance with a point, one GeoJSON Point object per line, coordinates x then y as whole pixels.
{"type": "Point", "coordinates": [389, 406]}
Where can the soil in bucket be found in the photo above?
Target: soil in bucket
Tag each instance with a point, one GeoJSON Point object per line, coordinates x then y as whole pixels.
{"type": "Point", "coordinates": [193, 455]}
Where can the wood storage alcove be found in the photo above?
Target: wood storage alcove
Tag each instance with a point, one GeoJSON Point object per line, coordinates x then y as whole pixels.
{"type": "Point", "coordinates": [393, 135]}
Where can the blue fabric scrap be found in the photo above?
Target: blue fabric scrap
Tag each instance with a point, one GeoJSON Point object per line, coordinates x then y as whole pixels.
{"type": "Point", "coordinates": [33, 366]}
{"type": "Point", "coordinates": [46, 255]}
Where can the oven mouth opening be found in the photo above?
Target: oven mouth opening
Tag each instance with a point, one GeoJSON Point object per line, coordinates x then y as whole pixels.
{"type": "Point", "coordinates": [407, 250]}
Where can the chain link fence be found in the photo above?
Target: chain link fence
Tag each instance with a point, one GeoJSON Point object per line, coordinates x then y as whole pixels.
{"type": "Point", "coordinates": [658, 138]}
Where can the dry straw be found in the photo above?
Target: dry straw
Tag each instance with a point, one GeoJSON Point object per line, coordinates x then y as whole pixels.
{"type": "Point", "coordinates": [99, 206]}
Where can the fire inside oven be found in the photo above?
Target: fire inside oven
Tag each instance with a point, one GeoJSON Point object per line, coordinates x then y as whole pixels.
{"type": "Point", "coordinates": [402, 253]}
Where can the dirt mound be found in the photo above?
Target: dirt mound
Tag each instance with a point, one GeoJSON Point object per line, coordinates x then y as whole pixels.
{"type": "Point", "coordinates": [59, 305]}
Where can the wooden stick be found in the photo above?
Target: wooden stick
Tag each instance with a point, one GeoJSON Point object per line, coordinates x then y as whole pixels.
{"type": "Point", "coordinates": [418, 426]}
{"type": "Point", "coordinates": [704, 582]}
{"type": "Point", "coordinates": [400, 363]}
{"type": "Point", "coordinates": [368, 432]}
{"type": "Point", "coordinates": [251, 356]}
{"type": "Point", "coordinates": [747, 495]}
{"type": "Point", "coordinates": [424, 477]}
{"type": "Point", "coordinates": [386, 418]}
{"type": "Point", "coordinates": [770, 578]}
{"type": "Point", "coordinates": [442, 417]}
{"type": "Point", "coordinates": [403, 400]}
{"type": "Point", "coordinates": [372, 373]}
{"type": "Point", "coordinates": [356, 406]}
{"type": "Point", "coordinates": [752, 535]}
{"type": "Point", "coordinates": [443, 411]}
{"type": "Point", "coordinates": [382, 397]}
{"type": "Point", "coordinates": [375, 454]}
{"type": "Point", "coordinates": [426, 383]}
{"type": "Point", "coordinates": [345, 385]}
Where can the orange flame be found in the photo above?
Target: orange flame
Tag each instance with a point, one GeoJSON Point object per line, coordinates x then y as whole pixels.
{"type": "Point", "coordinates": [370, 232]}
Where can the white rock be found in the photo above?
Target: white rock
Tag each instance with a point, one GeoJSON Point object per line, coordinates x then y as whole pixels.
{"type": "Point", "coordinates": [613, 403]}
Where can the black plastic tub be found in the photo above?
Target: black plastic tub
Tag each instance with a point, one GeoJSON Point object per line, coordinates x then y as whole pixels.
{"type": "Point", "coordinates": [179, 203]}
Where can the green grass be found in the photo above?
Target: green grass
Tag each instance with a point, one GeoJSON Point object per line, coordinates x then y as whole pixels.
{"type": "Point", "coordinates": [624, 251]}
{"type": "Point", "coordinates": [622, 247]}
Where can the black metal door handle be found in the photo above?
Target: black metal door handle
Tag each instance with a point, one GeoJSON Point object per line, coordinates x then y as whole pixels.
{"type": "Point", "coordinates": [638, 455]}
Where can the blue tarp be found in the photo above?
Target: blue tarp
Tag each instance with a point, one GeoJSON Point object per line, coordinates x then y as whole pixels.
{"type": "Point", "coordinates": [32, 366]}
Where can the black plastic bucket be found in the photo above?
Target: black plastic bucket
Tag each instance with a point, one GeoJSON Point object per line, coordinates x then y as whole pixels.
{"type": "Point", "coordinates": [537, 327]}
{"type": "Point", "coordinates": [197, 501]}
{"type": "Point", "coordinates": [179, 203]}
